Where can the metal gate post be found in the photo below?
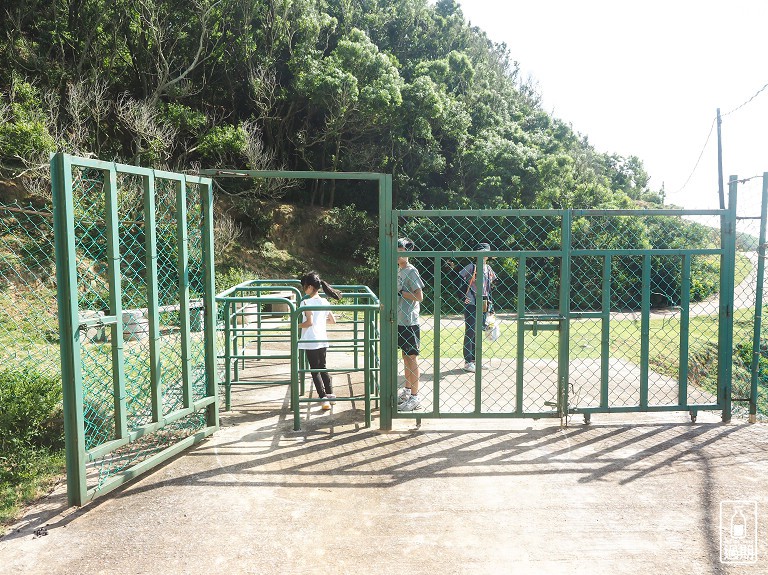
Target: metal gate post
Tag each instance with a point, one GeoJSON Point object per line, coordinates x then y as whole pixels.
{"type": "Point", "coordinates": [563, 354]}
{"type": "Point", "coordinates": [727, 270]}
{"type": "Point", "coordinates": [387, 288]}
{"type": "Point", "coordinates": [66, 288]}
{"type": "Point", "coordinates": [754, 367]}
{"type": "Point", "coordinates": [211, 313]}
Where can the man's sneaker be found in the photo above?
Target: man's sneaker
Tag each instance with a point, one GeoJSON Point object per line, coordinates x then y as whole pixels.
{"type": "Point", "coordinates": [403, 395]}
{"type": "Point", "coordinates": [410, 404]}
{"type": "Point", "coordinates": [326, 405]}
{"type": "Point", "coordinates": [331, 398]}
{"type": "Point", "coordinates": [469, 366]}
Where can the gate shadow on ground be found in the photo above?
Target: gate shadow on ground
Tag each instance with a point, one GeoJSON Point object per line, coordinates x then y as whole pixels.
{"type": "Point", "coordinates": [322, 457]}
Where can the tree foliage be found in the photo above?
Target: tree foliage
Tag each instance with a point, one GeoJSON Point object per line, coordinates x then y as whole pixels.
{"type": "Point", "coordinates": [400, 86]}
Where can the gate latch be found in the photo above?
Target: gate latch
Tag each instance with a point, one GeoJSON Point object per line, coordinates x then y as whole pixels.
{"type": "Point", "coordinates": [545, 322]}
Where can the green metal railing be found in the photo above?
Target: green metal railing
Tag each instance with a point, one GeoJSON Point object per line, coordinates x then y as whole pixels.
{"type": "Point", "coordinates": [135, 277]}
{"type": "Point", "coordinates": [248, 316]}
{"type": "Point", "coordinates": [252, 335]}
{"type": "Point", "coordinates": [357, 335]}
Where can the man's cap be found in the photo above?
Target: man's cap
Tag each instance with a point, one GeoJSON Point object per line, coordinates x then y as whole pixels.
{"type": "Point", "coordinates": [483, 247]}
{"type": "Point", "coordinates": [406, 244]}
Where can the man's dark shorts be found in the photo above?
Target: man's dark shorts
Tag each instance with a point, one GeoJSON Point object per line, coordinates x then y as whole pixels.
{"type": "Point", "coordinates": [409, 339]}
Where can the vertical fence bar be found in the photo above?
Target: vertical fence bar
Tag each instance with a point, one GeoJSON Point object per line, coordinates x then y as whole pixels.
{"type": "Point", "coordinates": [725, 332]}
{"type": "Point", "coordinates": [150, 245]}
{"type": "Point", "coordinates": [355, 335]}
{"type": "Point", "coordinates": [366, 364]}
{"type": "Point", "coordinates": [754, 367]}
{"type": "Point", "coordinates": [239, 317]}
{"type": "Point", "coordinates": [685, 302]}
{"type": "Point", "coordinates": [645, 329]}
{"type": "Point", "coordinates": [66, 295]}
{"type": "Point", "coordinates": [387, 271]}
{"type": "Point", "coordinates": [520, 334]}
{"type": "Point", "coordinates": [295, 314]}
{"type": "Point", "coordinates": [209, 304]}
{"type": "Point", "coordinates": [115, 300]}
{"type": "Point", "coordinates": [228, 318]}
{"type": "Point", "coordinates": [564, 334]}
{"type": "Point", "coordinates": [437, 299]}
{"type": "Point", "coordinates": [183, 271]}
{"type": "Point", "coordinates": [605, 337]}
{"type": "Point", "coordinates": [479, 287]}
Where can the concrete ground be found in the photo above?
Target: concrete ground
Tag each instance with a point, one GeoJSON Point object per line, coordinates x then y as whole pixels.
{"type": "Point", "coordinates": [630, 493]}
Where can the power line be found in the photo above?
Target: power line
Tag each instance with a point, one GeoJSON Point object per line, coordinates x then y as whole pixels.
{"type": "Point", "coordinates": [698, 160]}
{"type": "Point", "coordinates": [714, 120]}
{"type": "Point", "coordinates": [747, 102]}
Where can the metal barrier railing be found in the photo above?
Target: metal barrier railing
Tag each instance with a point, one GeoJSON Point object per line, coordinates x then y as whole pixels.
{"type": "Point", "coordinates": [357, 335]}
{"type": "Point", "coordinates": [245, 318]}
{"type": "Point", "coordinates": [254, 327]}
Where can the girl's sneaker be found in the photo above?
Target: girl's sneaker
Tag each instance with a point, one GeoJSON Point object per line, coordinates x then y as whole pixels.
{"type": "Point", "coordinates": [331, 398]}
{"type": "Point", "coordinates": [326, 405]}
{"type": "Point", "coordinates": [403, 395]}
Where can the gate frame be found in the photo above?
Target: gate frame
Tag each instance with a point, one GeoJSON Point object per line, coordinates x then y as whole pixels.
{"type": "Point", "coordinates": [727, 251]}
{"type": "Point", "coordinates": [76, 454]}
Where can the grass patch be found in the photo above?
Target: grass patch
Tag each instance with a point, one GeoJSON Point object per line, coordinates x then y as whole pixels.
{"type": "Point", "coordinates": [624, 343]}
{"type": "Point", "coordinates": [45, 468]}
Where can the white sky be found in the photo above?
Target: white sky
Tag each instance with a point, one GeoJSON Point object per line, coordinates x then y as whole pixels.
{"type": "Point", "coordinates": [646, 79]}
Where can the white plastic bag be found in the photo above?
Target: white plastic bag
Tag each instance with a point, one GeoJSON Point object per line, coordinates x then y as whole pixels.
{"type": "Point", "coordinates": [492, 328]}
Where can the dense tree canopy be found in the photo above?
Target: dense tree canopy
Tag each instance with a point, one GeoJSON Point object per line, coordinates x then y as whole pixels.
{"type": "Point", "coordinates": [399, 86]}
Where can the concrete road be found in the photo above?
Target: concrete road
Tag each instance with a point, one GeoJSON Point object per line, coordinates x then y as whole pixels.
{"type": "Point", "coordinates": [626, 494]}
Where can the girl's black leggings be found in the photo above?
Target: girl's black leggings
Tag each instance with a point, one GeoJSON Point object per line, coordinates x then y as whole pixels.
{"type": "Point", "coordinates": [316, 359]}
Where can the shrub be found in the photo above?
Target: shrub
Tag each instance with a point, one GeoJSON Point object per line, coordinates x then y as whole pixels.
{"type": "Point", "coordinates": [349, 231]}
{"type": "Point", "coordinates": [31, 417]}
{"type": "Point", "coordinates": [23, 129]}
{"type": "Point", "coordinates": [232, 277]}
{"type": "Point", "coordinates": [223, 144]}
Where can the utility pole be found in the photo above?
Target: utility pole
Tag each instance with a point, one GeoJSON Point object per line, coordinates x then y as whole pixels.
{"type": "Point", "coordinates": [720, 162]}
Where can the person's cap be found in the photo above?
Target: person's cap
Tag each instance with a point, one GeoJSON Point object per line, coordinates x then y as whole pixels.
{"type": "Point", "coordinates": [406, 244]}
{"type": "Point", "coordinates": [483, 247]}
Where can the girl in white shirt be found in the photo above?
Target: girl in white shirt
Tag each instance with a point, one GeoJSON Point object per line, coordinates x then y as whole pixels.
{"type": "Point", "coordinates": [314, 336]}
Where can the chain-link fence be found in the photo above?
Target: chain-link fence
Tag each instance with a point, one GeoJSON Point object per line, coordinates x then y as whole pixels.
{"type": "Point", "coordinates": [750, 350]}
{"type": "Point", "coordinates": [172, 354]}
{"type": "Point", "coordinates": [640, 298]}
{"type": "Point", "coordinates": [29, 330]}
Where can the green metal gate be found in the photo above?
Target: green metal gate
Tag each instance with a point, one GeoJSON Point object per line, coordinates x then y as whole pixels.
{"type": "Point", "coordinates": [598, 310]}
{"type": "Point", "coordinates": [134, 260]}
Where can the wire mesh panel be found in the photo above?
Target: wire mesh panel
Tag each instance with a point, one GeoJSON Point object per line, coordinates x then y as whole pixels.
{"type": "Point", "coordinates": [29, 335]}
{"type": "Point", "coordinates": [135, 256]}
{"type": "Point", "coordinates": [644, 311]}
{"type": "Point", "coordinates": [587, 310]}
{"type": "Point", "coordinates": [750, 348]}
{"type": "Point", "coordinates": [490, 326]}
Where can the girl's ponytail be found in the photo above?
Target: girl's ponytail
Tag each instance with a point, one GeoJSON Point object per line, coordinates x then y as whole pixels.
{"type": "Point", "coordinates": [313, 279]}
{"type": "Point", "coordinates": [330, 291]}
